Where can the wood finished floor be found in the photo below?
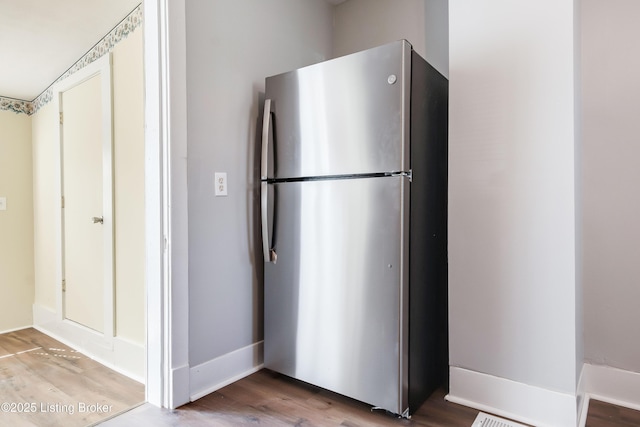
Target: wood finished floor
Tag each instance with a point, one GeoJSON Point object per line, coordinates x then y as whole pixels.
{"type": "Point", "coordinates": [606, 415]}
{"type": "Point", "coordinates": [35, 368]}
{"type": "Point", "coordinates": [44, 381]}
{"type": "Point", "coordinates": [269, 399]}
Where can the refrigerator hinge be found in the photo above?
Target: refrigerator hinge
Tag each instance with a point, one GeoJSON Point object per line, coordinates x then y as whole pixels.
{"type": "Point", "coordinates": [408, 174]}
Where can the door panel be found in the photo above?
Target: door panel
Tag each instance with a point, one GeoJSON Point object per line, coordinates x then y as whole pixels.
{"type": "Point", "coordinates": [332, 299]}
{"type": "Point", "coordinates": [343, 116]}
{"type": "Point", "coordinates": [83, 200]}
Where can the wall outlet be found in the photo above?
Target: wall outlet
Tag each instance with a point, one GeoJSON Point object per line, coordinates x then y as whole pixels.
{"type": "Point", "coordinates": [3, 203]}
{"type": "Point", "coordinates": [221, 184]}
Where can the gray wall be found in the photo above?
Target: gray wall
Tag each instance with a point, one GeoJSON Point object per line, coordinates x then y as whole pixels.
{"type": "Point", "coordinates": [362, 24]}
{"type": "Point", "coordinates": [611, 174]}
{"type": "Point", "coordinates": [436, 48]}
{"type": "Point", "coordinates": [512, 278]}
{"type": "Point", "coordinates": [232, 45]}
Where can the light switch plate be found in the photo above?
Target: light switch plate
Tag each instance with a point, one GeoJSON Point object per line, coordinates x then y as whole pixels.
{"type": "Point", "coordinates": [221, 183]}
{"type": "Point", "coordinates": [3, 203]}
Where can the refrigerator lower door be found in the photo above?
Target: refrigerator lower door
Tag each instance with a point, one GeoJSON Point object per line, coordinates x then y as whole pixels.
{"type": "Point", "coordinates": [335, 298]}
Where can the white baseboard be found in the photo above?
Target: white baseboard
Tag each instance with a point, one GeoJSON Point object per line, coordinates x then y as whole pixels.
{"type": "Point", "coordinates": [43, 316]}
{"type": "Point", "coordinates": [583, 400]}
{"type": "Point", "coordinates": [612, 385]}
{"type": "Point", "coordinates": [14, 329]}
{"type": "Point", "coordinates": [180, 388]}
{"type": "Point", "coordinates": [224, 370]}
{"type": "Point", "coordinates": [520, 402]}
{"type": "Point", "coordinates": [125, 357]}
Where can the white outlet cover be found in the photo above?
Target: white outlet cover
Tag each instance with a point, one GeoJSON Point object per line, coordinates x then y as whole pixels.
{"type": "Point", "coordinates": [3, 203]}
{"type": "Point", "coordinates": [220, 183]}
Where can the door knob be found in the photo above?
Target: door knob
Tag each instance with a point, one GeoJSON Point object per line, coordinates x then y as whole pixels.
{"type": "Point", "coordinates": [98, 219]}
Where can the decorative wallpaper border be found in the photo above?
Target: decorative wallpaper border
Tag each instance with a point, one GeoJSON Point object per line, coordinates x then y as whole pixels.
{"type": "Point", "coordinates": [105, 45]}
{"type": "Point", "coordinates": [16, 105]}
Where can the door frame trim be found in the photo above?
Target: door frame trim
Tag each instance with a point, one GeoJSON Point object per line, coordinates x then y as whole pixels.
{"type": "Point", "coordinates": [167, 377]}
{"type": "Point", "coordinates": [102, 67]}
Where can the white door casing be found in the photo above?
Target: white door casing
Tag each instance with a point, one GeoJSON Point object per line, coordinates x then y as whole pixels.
{"type": "Point", "coordinates": [106, 347]}
{"type": "Point", "coordinates": [167, 377]}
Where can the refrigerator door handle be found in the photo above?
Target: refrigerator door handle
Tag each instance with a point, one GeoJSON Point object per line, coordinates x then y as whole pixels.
{"type": "Point", "coordinates": [269, 253]}
{"type": "Point", "coordinates": [266, 122]}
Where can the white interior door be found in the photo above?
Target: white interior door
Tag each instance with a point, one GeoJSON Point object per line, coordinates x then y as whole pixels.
{"type": "Point", "coordinates": [87, 237]}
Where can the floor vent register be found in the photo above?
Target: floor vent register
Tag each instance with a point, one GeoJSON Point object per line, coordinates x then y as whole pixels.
{"type": "Point", "coordinates": [486, 420]}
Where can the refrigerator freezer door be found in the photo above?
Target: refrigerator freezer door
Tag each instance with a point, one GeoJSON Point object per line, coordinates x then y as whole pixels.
{"type": "Point", "coordinates": [334, 300]}
{"type": "Point", "coordinates": [343, 116]}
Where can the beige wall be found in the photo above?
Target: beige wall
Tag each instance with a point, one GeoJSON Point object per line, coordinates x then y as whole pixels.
{"type": "Point", "coordinates": [16, 223]}
{"type": "Point", "coordinates": [128, 129]}
{"type": "Point", "coordinates": [45, 170]}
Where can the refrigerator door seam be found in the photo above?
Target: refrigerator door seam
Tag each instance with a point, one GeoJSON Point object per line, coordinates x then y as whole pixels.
{"type": "Point", "coordinates": [337, 177]}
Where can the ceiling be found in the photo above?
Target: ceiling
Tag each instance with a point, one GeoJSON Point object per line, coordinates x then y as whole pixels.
{"type": "Point", "coordinates": [41, 39]}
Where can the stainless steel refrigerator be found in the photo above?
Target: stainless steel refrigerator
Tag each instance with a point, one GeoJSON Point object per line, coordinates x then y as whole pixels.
{"type": "Point", "coordinates": [354, 226]}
